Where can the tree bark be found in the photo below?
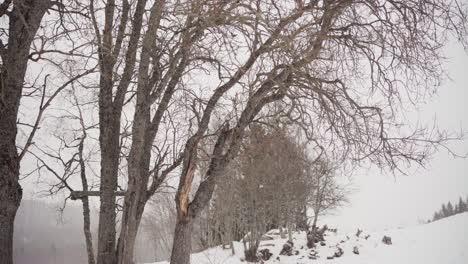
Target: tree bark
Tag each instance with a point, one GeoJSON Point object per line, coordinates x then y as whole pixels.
{"type": "Point", "coordinates": [85, 201]}
{"type": "Point", "coordinates": [312, 233]}
{"type": "Point", "coordinates": [24, 21]}
{"type": "Point", "coordinates": [111, 102]}
{"type": "Point", "coordinates": [10, 189]}
{"type": "Point", "coordinates": [134, 205]}
{"type": "Point", "coordinates": [87, 231]}
{"type": "Point", "coordinates": [182, 245]}
{"type": "Point", "coordinates": [109, 139]}
{"type": "Point", "coordinates": [289, 226]}
{"type": "Point", "coordinates": [10, 198]}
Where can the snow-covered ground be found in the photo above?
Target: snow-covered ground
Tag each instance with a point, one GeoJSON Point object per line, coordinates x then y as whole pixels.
{"type": "Point", "coordinates": [441, 242]}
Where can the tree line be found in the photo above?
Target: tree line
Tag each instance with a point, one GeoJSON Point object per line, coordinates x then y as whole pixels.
{"type": "Point", "coordinates": [149, 92]}
{"type": "Point", "coordinates": [447, 210]}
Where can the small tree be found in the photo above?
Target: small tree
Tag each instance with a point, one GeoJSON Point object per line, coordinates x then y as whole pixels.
{"type": "Point", "coordinates": [327, 195]}
{"type": "Point", "coordinates": [274, 181]}
{"type": "Point", "coordinates": [436, 216]}
{"type": "Point", "coordinates": [461, 206]}
{"type": "Point", "coordinates": [450, 210]}
{"type": "Point", "coordinates": [444, 211]}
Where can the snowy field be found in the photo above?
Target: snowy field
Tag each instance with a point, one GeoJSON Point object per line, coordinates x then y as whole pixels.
{"type": "Point", "coordinates": [441, 242]}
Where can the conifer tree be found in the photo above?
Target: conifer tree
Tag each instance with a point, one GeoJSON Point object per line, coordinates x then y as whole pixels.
{"type": "Point", "coordinates": [461, 206]}
{"type": "Point", "coordinates": [450, 210]}
{"type": "Point", "coordinates": [444, 211]}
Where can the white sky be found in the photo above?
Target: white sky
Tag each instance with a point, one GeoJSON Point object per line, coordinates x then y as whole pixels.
{"type": "Point", "coordinates": [383, 201]}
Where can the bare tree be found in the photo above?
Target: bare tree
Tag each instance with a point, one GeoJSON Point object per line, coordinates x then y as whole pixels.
{"type": "Point", "coordinates": [116, 68]}
{"type": "Point", "coordinates": [274, 185]}
{"type": "Point", "coordinates": [311, 55]}
{"type": "Point", "coordinates": [340, 69]}
{"type": "Point", "coordinates": [13, 69]}
{"type": "Point", "coordinates": [160, 62]}
{"type": "Point", "coordinates": [69, 161]}
{"type": "Point", "coordinates": [327, 194]}
{"type": "Point", "coordinates": [22, 46]}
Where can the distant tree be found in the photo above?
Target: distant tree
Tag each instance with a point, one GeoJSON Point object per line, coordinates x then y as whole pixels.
{"type": "Point", "coordinates": [444, 211]}
{"type": "Point", "coordinates": [461, 206]}
{"type": "Point", "coordinates": [450, 210]}
{"type": "Point", "coordinates": [436, 216]}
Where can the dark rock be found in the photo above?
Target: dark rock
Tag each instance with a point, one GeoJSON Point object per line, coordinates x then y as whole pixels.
{"type": "Point", "coordinates": [313, 254]}
{"type": "Point", "coordinates": [287, 248]}
{"type": "Point", "coordinates": [387, 240]}
{"type": "Point", "coordinates": [339, 252]}
{"type": "Point", "coordinates": [316, 235]}
{"type": "Point", "coordinates": [356, 250]}
{"type": "Point", "coordinates": [358, 233]}
{"type": "Point", "coordinates": [265, 254]}
{"type": "Point", "coordinates": [322, 243]}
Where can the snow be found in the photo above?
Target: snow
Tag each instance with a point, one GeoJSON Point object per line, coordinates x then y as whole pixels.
{"type": "Point", "coordinates": [444, 241]}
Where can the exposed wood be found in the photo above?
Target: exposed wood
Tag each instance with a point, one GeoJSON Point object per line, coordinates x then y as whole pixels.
{"type": "Point", "coordinates": [185, 192]}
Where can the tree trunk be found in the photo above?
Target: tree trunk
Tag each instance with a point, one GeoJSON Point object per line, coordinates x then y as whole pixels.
{"type": "Point", "coordinates": [109, 139]}
{"type": "Point", "coordinates": [182, 245]}
{"type": "Point", "coordinates": [138, 176]}
{"type": "Point", "coordinates": [111, 102]}
{"type": "Point", "coordinates": [133, 210]}
{"type": "Point", "coordinates": [10, 189]}
{"type": "Point", "coordinates": [24, 20]}
{"type": "Point", "coordinates": [87, 231]}
{"type": "Point", "coordinates": [289, 230]}
{"type": "Point", "coordinates": [312, 233]}
{"type": "Point", "coordinates": [282, 233]}
{"type": "Point", "coordinates": [233, 250]}
{"type": "Point", "coordinates": [10, 198]}
{"type": "Point", "coordinates": [85, 202]}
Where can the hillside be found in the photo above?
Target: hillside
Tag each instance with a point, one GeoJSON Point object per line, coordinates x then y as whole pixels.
{"type": "Point", "coordinates": [443, 241]}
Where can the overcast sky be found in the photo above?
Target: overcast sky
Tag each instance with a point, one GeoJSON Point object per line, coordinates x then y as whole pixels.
{"type": "Point", "coordinates": [383, 201]}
